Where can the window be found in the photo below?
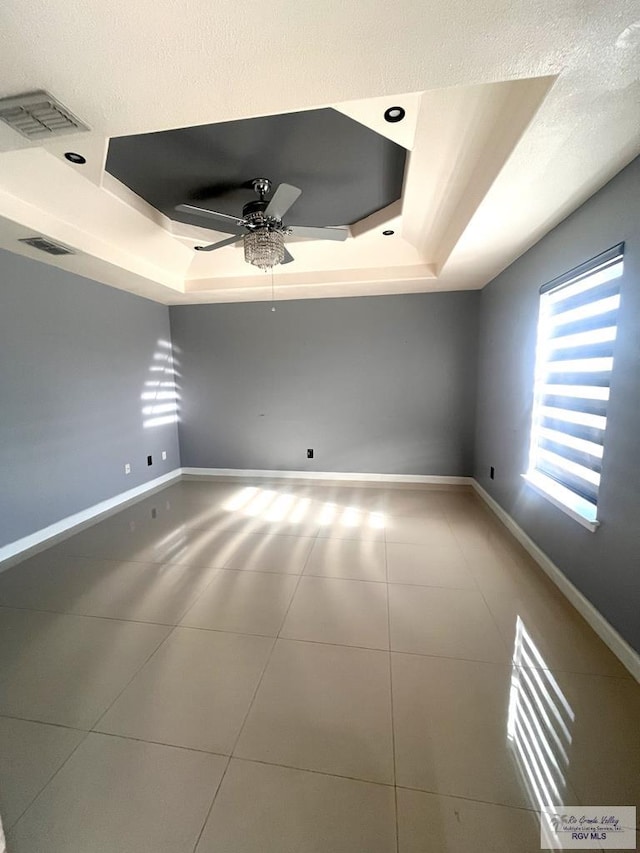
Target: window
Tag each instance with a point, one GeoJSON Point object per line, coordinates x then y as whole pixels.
{"type": "Point", "coordinates": [577, 330]}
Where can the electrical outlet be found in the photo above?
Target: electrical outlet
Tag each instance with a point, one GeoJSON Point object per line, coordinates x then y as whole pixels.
{"type": "Point", "coordinates": [492, 473]}
{"type": "Point", "coordinates": [149, 460]}
{"type": "Point", "coordinates": [164, 454]}
{"type": "Point", "coordinates": [310, 453]}
{"type": "Point", "coordinates": [127, 468]}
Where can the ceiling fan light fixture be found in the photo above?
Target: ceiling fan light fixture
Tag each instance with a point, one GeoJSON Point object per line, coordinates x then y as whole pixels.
{"type": "Point", "coordinates": [264, 248]}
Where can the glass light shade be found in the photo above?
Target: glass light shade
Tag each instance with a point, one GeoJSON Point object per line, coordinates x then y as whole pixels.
{"type": "Point", "coordinates": [264, 248]}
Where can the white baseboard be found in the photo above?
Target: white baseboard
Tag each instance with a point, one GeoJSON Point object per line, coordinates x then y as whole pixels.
{"type": "Point", "coordinates": [26, 547]}
{"type": "Point", "coordinates": [607, 633]}
{"type": "Point", "coordinates": [337, 476]}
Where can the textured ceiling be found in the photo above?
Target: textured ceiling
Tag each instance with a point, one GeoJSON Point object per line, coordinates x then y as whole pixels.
{"type": "Point", "coordinates": [345, 170]}
{"type": "Point", "coordinates": [516, 113]}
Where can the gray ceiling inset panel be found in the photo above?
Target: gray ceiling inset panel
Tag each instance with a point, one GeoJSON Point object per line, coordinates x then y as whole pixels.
{"type": "Point", "coordinates": [345, 170]}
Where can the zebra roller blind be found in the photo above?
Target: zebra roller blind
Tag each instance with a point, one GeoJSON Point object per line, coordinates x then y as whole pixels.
{"type": "Point", "coordinates": [577, 330]}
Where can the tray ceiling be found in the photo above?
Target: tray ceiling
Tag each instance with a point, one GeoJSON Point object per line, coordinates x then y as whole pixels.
{"type": "Point", "coordinates": [513, 118]}
{"type": "Point", "coordinates": [345, 170]}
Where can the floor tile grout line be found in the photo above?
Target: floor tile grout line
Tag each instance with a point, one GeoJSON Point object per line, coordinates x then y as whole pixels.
{"type": "Point", "coordinates": [527, 809]}
{"type": "Point", "coordinates": [91, 616]}
{"type": "Point", "coordinates": [165, 563]}
{"type": "Point", "coordinates": [270, 655]}
{"type": "Point", "coordinates": [250, 706]}
{"type": "Point", "coordinates": [197, 598]}
{"type": "Point", "coordinates": [202, 565]}
{"type": "Point", "coordinates": [136, 740]}
{"type": "Point", "coordinates": [300, 576]}
{"type": "Point", "coordinates": [501, 633]}
{"type": "Point", "coordinates": [498, 531]}
{"type": "Point", "coordinates": [393, 731]}
{"type": "Point", "coordinates": [209, 810]}
{"type": "Point", "coordinates": [9, 606]}
{"type": "Point", "coordinates": [40, 722]}
{"type": "Point", "coordinates": [132, 559]}
{"type": "Point", "coordinates": [482, 595]}
{"type": "Point", "coordinates": [143, 664]}
{"type": "Point", "coordinates": [465, 559]}
{"type": "Point", "coordinates": [507, 662]}
{"type": "Point", "coordinates": [314, 771]}
{"type": "Point", "coordinates": [275, 764]}
{"type": "Point", "coordinates": [159, 743]}
{"type": "Point", "coordinates": [52, 777]}
{"type": "Point", "coordinates": [198, 750]}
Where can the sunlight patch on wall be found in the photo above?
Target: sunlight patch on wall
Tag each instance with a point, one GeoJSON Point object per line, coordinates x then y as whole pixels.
{"type": "Point", "coordinates": [161, 395]}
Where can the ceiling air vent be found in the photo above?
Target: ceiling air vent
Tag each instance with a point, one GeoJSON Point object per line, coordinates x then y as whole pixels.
{"type": "Point", "coordinates": [37, 115]}
{"type": "Point", "coordinates": [47, 246]}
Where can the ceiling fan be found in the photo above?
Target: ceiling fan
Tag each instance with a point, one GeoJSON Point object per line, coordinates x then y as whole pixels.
{"type": "Point", "coordinates": [261, 226]}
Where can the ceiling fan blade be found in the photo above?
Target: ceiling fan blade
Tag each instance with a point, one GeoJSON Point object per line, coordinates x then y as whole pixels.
{"type": "Point", "coordinates": [219, 221]}
{"type": "Point", "coordinates": [318, 233]}
{"type": "Point", "coordinates": [283, 198]}
{"type": "Point", "coordinates": [228, 242]}
{"type": "Point", "coordinates": [288, 257]}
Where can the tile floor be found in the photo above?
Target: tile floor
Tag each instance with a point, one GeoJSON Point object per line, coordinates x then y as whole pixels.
{"type": "Point", "coordinates": [270, 667]}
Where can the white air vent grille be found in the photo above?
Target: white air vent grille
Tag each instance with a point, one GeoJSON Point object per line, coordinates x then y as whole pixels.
{"type": "Point", "coordinates": [37, 115]}
{"type": "Point", "coordinates": [47, 246]}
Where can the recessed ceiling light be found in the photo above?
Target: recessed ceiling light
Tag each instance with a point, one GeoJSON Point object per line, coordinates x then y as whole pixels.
{"type": "Point", "coordinates": [388, 232]}
{"type": "Point", "coordinates": [394, 114]}
{"type": "Point", "coordinates": [78, 159]}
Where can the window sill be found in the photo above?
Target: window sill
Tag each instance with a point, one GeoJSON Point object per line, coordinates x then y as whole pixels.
{"type": "Point", "coordinates": [572, 505]}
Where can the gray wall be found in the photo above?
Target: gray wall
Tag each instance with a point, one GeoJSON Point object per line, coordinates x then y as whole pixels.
{"type": "Point", "coordinates": [375, 384]}
{"type": "Point", "coordinates": [74, 357]}
{"type": "Point", "coordinates": [604, 566]}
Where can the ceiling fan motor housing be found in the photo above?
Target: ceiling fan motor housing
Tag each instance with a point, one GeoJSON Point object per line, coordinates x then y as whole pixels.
{"type": "Point", "coordinates": [253, 208]}
{"type": "Point", "coordinates": [254, 214]}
